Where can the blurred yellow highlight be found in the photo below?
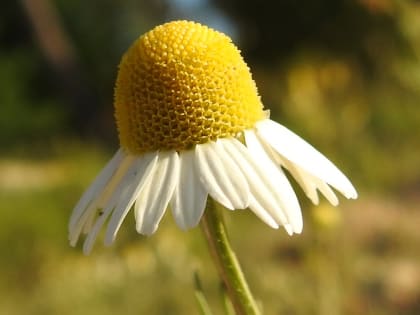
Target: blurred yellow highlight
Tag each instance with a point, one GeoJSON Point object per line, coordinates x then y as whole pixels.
{"type": "Point", "coordinates": [326, 216]}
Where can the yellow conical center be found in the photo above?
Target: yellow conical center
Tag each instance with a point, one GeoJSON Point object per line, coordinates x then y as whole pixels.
{"type": "Point", "coordinates": [183, 84]}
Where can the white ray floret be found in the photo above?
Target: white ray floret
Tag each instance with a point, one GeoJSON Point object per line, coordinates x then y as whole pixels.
{"type": "Point", "coordinates": [296, 150]}
{"type": "Point", "coordinates": [142, 171]}
{"type": "Point", "coordinates": [282, 190]}
{"type": "Point", "coordinates": [221, 176]}
{"type": "Point", "coordinates": [237, 175]}
{"type": "Point", "coordinates": [189, 204]}
{"type": "Point", "coordinates": [154, 199]}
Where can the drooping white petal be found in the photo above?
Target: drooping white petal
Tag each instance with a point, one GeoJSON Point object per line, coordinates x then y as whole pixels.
{"type": "Point", "coordinates": [89, 221]}
{"type": "Point", "coordinates": [83, 225]}
{"type": "Point", "coordinates": [298, 151]}
{"type": "Point", "coordinates": [262, 201]}
{"type": "Point", "coordinates": [190, 197]}
{"type": "Point", "coordinates": [308, 186]}
{"type": "Point", "coordinates": [143, 170]}
{"type": "Point", "coordinates": [221, 177]}
{"type": "Point", "coordinates": [118, 194]}
{"type": "Point", "coordinates": [283, 191]}
{"type": "Point", "coordinates": [97, 185]}
{"type": "Point", "coordinates": [325, 190]}
{"type": "Point", "coordinates": [101, 199]}
{"type": "Point", "coordinates": [157, 191]}
{"type": "Point", "coordinates": [313, 184]}
{"type": "Point", "coordinates": [289, 229]}
{"type": "Point", "coordinates": [309, 183]}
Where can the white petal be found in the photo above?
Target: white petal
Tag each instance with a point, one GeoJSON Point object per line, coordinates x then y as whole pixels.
{"type": "Point", "coordinates": [289, 229]}
{"type": "Point", "coordinates": [158, 190]}
{"type": "Point", "coordinates": [261, 212]}
{"type": "Point", "coordinates": [93, 233]}
{"type": "Point", "coordinates": [306, 184]}
{"type": "Point", "coordinates": [298, 151]}
{"type": "Point", "coordinates": [307, 181]}
{"type": "Point", "coordinates": [100, 200]}
{"type": "Point", "coordinates": [326, 191]}
{"type": "Point", "coordinates": [142, 171]}
{"type": "Point", "coordinates": [119, 195]}
{"type": "Point", "coordinates": [97, 185]}
{"type": "Point", "coordinates": [89, 222]}
{"type": "Point", "coordinates": [221, 177]}
{"type": "Point", "coordinates": [189, 198]}
{"type": "Point", "coordinates": [262, 201]}
{"type": "Point", "coordinates": [283, 191]}
{"type": "Point", "coordinates": [83, 225]}
{"type": "Point", "coordinates": [310, 184]}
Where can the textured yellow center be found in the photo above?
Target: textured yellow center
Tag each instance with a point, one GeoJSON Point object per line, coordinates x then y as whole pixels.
{"type": "Point", "coordinates": [183, 84]}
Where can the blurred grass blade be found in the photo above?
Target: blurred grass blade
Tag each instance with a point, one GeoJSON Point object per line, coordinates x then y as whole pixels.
{"type": "Point", "coordinates": [200, 297]}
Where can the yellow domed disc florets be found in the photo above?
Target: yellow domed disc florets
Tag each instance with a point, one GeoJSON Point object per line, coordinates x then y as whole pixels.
{"type": "Point", "coordinates": [183, 84]}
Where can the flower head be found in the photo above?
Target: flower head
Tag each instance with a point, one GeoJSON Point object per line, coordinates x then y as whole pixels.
{"type": "Point", "coordinates": [191, 125]}
{"type": "Point", "coordinates": [180, 85]}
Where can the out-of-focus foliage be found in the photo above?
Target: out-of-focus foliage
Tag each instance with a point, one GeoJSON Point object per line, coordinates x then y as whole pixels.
{"type": "Point", "coordinates": [344, 74]}
{"type": "Point", "coordinates": [26, 108]}
{"type": "Point", "coordinates": [59, 81]}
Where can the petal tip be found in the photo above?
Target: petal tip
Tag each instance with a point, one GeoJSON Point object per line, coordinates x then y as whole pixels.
{"type": "Point", "coordinates": [288, 229]}
{"type": "Point", "coordinates": [351, 193]}
{"type": "Point", "coordinates": [147, 230]}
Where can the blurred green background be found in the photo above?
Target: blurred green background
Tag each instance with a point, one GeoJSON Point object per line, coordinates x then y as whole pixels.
{"type": "Point", "coordinates": [344, 74]}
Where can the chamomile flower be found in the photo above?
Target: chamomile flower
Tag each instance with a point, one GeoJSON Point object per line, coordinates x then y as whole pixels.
{"type": "Point", "coordinates": [192, 126]}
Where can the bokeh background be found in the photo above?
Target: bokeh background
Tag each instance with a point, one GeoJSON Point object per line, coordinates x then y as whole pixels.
{"type": "Point", "coordinates": [344, 74]}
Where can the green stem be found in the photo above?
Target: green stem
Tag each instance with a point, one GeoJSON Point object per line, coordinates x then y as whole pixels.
{"type": "Point", "coordinates": [226, 262]}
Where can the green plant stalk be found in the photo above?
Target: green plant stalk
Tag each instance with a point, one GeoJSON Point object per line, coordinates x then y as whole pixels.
{"type": "Point", "coordinates": [226, 262]}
